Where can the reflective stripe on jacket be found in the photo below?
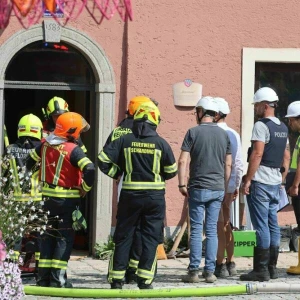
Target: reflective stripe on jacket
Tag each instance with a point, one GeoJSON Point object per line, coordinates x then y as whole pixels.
{"type": "Point", "coordinates": [146, 162]}
{"type": "Point", "coordinates": [56, 167]}
{"type": "Point", "coordinates": [295, 156]}
{"type": "Point", "coordinates": [19, 154]}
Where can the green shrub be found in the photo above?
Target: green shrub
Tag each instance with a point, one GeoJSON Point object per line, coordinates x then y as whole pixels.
{"type": "Point", "coordinates": [103, 251]}
{"type": "Point", "coordinates": [183, 244]}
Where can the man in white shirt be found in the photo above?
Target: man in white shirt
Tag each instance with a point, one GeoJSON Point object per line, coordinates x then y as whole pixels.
{"type": "Point", "coordinates": [225, 268]}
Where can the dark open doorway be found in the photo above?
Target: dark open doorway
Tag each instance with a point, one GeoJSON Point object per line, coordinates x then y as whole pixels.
{"type": "Point", "coordinates": [39, 72]}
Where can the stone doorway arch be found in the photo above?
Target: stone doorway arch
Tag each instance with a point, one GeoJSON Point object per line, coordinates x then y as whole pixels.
{"type": "Point", "coordinates": [105, 106]}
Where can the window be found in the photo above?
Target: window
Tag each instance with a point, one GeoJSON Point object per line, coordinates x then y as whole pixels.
{"type": "Point", "coordinates": [49, 62]}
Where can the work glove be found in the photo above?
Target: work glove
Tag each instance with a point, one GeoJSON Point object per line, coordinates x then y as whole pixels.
{"type": "Point", "coordinates": [79, 221]}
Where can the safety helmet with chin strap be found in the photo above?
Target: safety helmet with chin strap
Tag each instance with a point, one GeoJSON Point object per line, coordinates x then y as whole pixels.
{"type": "Point", "coordinates": [208, 106]}
{"type": "Point", "coordinates": [208, 103]}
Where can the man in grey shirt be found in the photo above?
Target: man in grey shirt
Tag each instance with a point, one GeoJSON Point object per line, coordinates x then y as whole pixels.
{"type": "Point", "coordinates": [208, 147]}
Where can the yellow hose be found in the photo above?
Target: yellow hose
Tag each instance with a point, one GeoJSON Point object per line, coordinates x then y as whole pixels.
{"type": "Point", "coordinates": [155, 293]}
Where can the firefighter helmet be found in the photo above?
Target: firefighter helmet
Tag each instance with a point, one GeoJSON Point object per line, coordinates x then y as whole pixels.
{"type": "Point", "coordinates": [70, 124]}
{"type": "Point", "coordinates": [148, 112]}
{"type": "Point", "coordinates": [30, 125]}
{"type": "Point", "coordinates": [57, 106]}
{"type": "Point", "coordinates": [135, 102]}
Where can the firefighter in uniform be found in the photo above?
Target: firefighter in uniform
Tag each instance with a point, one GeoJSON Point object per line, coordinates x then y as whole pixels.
{"type": "Point", "coordinates": [126, 124]}
{"type": "Point", "coordinates": [123, 128]}
{"type": "Point", "coordinates": [29, 136]}
{"type": "Point", "coordinates": [147, 161]}
{"type": "Point", "coordinates": [67, 175]}
{"type": "Point", "coordinates": [55, 107]}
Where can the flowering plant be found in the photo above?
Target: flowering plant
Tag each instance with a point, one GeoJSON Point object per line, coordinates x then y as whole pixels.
{"type": "Point", "coordinates": [10, 276]}
{"type": "Point", "coordinates": [18, 218]}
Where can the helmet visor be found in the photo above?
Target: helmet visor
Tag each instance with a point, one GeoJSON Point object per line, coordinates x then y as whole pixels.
{"type": "Point", "coordinates": [85, 126]}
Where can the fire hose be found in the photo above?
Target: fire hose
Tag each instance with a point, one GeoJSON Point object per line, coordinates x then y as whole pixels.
{"type": "Point", "coordinates": [249, 288]}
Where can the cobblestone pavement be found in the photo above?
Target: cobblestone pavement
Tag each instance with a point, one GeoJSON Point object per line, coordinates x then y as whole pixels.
{"type": "Point", "coordinates": [86, 272]}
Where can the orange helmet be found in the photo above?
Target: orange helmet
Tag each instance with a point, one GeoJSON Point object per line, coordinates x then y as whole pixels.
{"type": "Point", "coordinates": [135, 102]}
{"type": "Point", "coordinates": [70, 124]}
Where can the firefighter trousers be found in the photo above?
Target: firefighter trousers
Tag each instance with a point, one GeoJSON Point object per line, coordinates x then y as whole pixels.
{"type": "Point", "coordinates": [136, 248]}
{"type": "Point", "coordinates": [135, 208]}
{"type": "Point", "coordinates": [57, 242]}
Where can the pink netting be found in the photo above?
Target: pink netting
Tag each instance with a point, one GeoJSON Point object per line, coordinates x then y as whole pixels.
{"type": "Point", "coordinates": [129, 9]}
{"type": "Point", "coordinates": [124, 8]}
{"type": "Point", "coordinates": [32, 16]}
{"type": "Point", "coordinates": [71, 8]}
{"type": "Point", "coordinates": [106, 9]}
{"type": "Point", "coordinates": [23, 6]}
{"type": "Point", "coordinates": [94, 11]}
{"type": "Point", "coordinates": [5, 11]}
{"type": "Point", "coordinates": [29, 12]}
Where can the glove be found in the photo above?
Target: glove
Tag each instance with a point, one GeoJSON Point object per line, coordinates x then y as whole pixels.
{"type": "Point", "coordinates": [79, 221]}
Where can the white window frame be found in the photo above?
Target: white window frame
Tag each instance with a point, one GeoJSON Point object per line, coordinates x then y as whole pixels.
{"type": "Point", "coordinates": [250, 57]}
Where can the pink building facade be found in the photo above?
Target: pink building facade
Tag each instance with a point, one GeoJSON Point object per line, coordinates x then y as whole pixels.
{"type": "Point", "coordinates": [219, 44]}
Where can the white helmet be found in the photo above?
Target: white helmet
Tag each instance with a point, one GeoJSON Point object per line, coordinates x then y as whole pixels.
{"type": "Point", "coordinates": [223, 105]}
{"type": "Point", "coordinates": [265, 94]}
{"type": "Point", "coordinates": [293, 110]}
{"type": "Point", "coordinates": [208, 103]}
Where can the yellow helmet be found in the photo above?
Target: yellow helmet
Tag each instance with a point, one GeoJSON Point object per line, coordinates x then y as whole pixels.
{"type": "Point", "coordinates": [30, 125]}
{"type": "Point", "coordinates": [70, 124]}
{"type": "Point", "coordinates": [57, 106]}
{"type": "Point", "coordinates": [135, 102]}
{"type": "Point", "coordinates": [148, 112]}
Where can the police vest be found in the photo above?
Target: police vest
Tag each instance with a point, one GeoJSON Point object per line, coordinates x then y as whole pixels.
{"type": "Point", "coordinates": [274, 150]}
{"type": "Point", "coordinates": [57, 172]}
